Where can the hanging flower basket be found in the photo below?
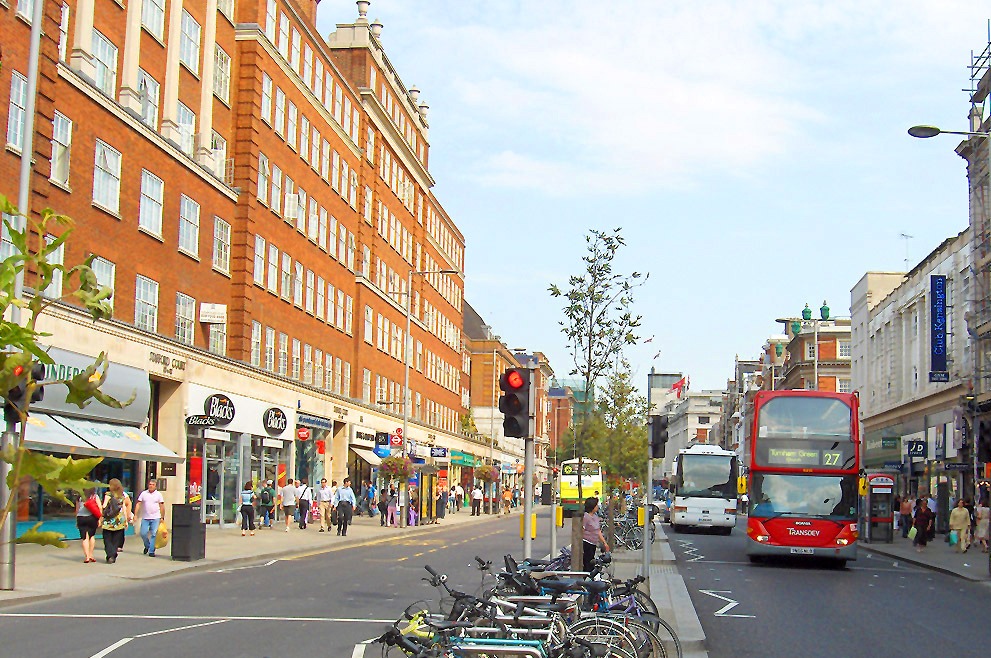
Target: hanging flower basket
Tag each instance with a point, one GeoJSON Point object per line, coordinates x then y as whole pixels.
{"type": "Point", "coordinates": [487, 473]}
{"type": "Point", "coordinates": [397, 468]}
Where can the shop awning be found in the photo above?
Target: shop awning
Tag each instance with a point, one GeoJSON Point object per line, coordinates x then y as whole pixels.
{"type": "Point", "coordinates": [44, 434]}
{"type": "Point", "coordinates": [120, 441]}
{"type": "Point", "coordinates": [367, 455]}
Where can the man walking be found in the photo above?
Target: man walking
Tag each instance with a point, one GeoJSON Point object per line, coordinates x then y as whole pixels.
{"type": "Point", "coordinates": [459, 497]}
{"type": "Point", "coordinates": [325, 497]}
{"type": "Point", "coordinates": [305, 502]}
{"type": "Point", "coordinates": [345, 502]}
{"type": "Point", "coordinates": [476, 501]}
{"type": "Point", "coordinates": [151, 508]}
{"type": "Point", "coordinates": [289, 495]}
{"type": "Point", "coordinates": [266, 503]}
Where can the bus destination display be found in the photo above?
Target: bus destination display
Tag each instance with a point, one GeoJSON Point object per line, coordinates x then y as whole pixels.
{"type": "Point", "coordinates": [804, 457]}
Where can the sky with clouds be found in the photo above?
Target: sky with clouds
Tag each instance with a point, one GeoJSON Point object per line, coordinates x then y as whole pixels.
{"type": "Point", "coordinates": [754, 153]}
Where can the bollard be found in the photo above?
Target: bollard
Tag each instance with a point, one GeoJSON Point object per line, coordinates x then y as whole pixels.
{"type": "Point", "coordinates": [533, 525]}
{"type": "Point", "coordinates": [641, 513]}
{"type": "Point", "coordinates": [560, 517]}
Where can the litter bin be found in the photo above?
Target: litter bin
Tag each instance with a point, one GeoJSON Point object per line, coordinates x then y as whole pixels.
{"type": "Point", "coordinates": [188, 533]}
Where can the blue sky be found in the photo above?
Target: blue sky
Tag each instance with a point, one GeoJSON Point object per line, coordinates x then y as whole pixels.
{"type": "Point", "coordinates": [755, 153]}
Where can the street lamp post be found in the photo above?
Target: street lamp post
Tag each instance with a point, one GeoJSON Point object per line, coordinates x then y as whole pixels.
{"type": "Point", "coordinates": [807, 320]}
{"type": "Point", "coordinates": [407, 348]}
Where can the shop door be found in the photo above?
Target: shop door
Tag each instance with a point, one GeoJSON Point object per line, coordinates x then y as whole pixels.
{"type": "Point", "coordinates": [221, 481]}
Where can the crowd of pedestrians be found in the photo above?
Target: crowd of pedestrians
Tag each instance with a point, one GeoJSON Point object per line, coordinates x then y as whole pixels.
{"type": "Point", "coordinates": [968, 523]}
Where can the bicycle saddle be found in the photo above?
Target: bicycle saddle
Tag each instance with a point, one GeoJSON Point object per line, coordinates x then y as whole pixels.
{"type": "Point", "coordinates": [561, 586]}
{"type": "Point", "coordinates": [445, 625]}
{"type": "Point", "coordinates": [595, 586]}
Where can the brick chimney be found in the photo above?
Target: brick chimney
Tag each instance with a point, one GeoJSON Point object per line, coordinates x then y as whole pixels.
{"type": "Point", "coordinates": [308, 8]}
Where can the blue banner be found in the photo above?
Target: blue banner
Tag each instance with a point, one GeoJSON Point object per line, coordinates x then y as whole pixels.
{"type": "Point", "coordinates": [937, 330]}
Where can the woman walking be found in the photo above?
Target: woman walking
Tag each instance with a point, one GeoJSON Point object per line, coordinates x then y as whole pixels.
{"type": "Point", "coordinates": [116, 517]}
{"type": "Point", "coordinates": [88, 511]}
{"type": "Point", "coordinates": [960, 524]}
{"type": "Point", "coordinates": [983, 516]}
{"type": "Point", "coordinates": [392, 507]}
{"type": "Point", "coordinates": [591, 533]}
{"type": "Point", "coordinates": [247, 499]}
{"type": "Point", "coordinates": [923, 523]}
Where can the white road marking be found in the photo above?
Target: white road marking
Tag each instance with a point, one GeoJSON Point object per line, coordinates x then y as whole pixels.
{"type": "Point", "coordinates": [214, 618]}
{"type": "Point", "coordinates": [250, 566]}
{"type": "Point", "coordinates": [729, 605]}
{"type": "Point", "coordinates": [124, 640]}
{"type": "Point", "coordinates": [359, 649]}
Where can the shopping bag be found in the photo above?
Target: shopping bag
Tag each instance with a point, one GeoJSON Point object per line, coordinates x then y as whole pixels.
{"type": "Point", "coordinates": [954, 537]}
{"type": "Point", "coordinates": [162, 536]}
{"type": "Point", "coordinates": [913, 532]}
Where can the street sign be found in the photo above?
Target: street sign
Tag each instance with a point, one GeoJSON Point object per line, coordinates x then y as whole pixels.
{"type": "Point", "coordinates": [396, 440]}
{"type": "Point", "coordinates": [893, 466]}
{"type": "Point", "coordinates": [438, 452]}
{"type": "Point", "coordinates": [918, 449]}
{"type": "Point", "coordinates": [956, 466]}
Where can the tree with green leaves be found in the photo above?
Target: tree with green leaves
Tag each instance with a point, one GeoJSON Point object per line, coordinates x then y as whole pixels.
{"type": "Point", "coordinates": [22, 355]}
{"type": "Point", "coordinates": [598, 325]}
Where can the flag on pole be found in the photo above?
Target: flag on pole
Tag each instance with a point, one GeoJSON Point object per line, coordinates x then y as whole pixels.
{"type": "Point", "coordinates": [680, 386]}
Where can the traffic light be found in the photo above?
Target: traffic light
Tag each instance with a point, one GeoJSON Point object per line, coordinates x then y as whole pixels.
{"type": "Point", "coordinates": [17, 396]}
{"type": "Point", "coordinates": [658, 436]}
{"type": "Point", "coordinates": [515, 402]}
{"type": "Point", "coordinates": [984, 441]}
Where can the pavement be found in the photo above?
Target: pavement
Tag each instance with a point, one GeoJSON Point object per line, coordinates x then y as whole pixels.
{"type": "Point", "coordinates": [937, 556]}
{"type": "Point", "coordinates": [44, 572]}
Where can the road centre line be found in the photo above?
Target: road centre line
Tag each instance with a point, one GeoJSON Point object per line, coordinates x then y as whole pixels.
{"type": "Point", "coordinates": [209, 618]}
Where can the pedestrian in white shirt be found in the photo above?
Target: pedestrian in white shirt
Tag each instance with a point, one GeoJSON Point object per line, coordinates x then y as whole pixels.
{"type": "Point", "coordinates": [289, 495]}
{"type": "Point", "coordinates": [325, 496]}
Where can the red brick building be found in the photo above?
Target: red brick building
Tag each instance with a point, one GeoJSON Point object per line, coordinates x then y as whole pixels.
{"type": "Point", "coordinates": [259, 199]}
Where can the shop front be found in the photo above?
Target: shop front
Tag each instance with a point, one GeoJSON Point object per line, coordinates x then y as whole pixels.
{"type": "Point", "coordinates": [96, 430]}
{"type": "Point", "coordinates": [314, 445]}
{"type": "Point", "coordinates": [232, 440]}
{"type": "Point", "coordinates": [462, 465]}
{"type": "Point", "coordinates": [363, 459]}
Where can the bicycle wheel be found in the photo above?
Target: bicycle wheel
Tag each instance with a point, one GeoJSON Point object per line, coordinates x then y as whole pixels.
{"type": "Point", "coordinates": [668, 636]}
{"type": "Point", "coordinates": [606, 632]}
{"type": "Point", "coordinates": [648, 643]}
{"type": "Point", "coordinates": [636, 538]}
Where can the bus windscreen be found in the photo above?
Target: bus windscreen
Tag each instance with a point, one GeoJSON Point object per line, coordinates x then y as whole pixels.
{"type": "Point", "coordinates": [815, 496]}
{"type": "Point", "coordinates": [804, 418]}
{"type": "Point", "coordinates": [707, 476]}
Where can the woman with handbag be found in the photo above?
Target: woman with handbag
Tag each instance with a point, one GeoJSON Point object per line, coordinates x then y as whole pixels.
{"type": "Point", "coordinates": [960, 524]}
{"type": "Point", "coordinates": [88, 513]}
{"type": "Point", "coordinates": [116, 517]}
{"type": "Point", "coordinates": [924, 520]}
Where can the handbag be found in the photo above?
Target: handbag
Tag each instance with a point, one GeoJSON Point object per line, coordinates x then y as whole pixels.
{"type": "Point", "coordinates": [913, 531]}
{"type": "Point", "coordinates": [954, 537]}
{"type": "Point", "coordinates": [93, 506]}
{"type": "Point", "coordinates": [162, 536]}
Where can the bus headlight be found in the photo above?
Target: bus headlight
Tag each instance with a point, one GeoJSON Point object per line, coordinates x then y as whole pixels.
{"type": "Point", "coordinates": [762, 538]}
{"type": "Point", "coordinates": [842, 542]}
{"type": "Point", "coordinates": [680, 508]}
{"type": "Point", "coordinates": [730, 510]}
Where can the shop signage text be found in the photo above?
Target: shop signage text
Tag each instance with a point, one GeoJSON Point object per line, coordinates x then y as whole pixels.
{"type": "Point", "coordinates": [937, 333]}
{"type": "Point", "coordinates": [438, 452]}
{"type": "Point", "coordinates": [918, 449]}
{"type": "Point", "coordinates": [213, 313]}
{"type": "Point", "coordinates": [956, 466]}
{"type": "Point", "coordinates": [201, 421]}
{"type": "Point", "coordinates": [341, 413]}
{"type": "Point", "coordinates": [303, 433]}
{"type": "Point", "coordinates": [220, 407]}
{"type": "Point", "coordinates": [274, 420]}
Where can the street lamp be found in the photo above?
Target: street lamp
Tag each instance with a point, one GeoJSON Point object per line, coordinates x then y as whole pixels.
{"type": "Point", "coordinates": [796, 328]}
{"type": "Point", "coordinates": [407, 348]}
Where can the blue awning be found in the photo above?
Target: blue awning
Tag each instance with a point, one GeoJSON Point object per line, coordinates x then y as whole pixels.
{"type": "Point", "coordinates": [44, 434]}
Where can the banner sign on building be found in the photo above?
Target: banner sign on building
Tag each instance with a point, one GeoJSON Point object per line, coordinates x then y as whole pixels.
{"type": "Point", "coordinates": [937, 329]}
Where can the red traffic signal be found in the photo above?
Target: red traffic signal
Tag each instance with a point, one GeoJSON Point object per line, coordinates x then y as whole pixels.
{"type": "Point", "coordinates": [514, 380]}
{"type": "Point", "coordinates": [515, 402]}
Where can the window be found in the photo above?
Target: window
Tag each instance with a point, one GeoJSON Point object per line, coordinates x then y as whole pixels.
{"type": "Point", "coordinates": [148, 90]}
{"type": "Point", "coordinates": [186, 122]}
{"type": "Point", "coordinates": [844, 348]}
{"type": "Point", "coordinates": [189, 226]}
{"type": "Point", "coordinates": [189, 42]}
{"type": "Point", "coordinates": [153, 17]}
{"type": "Point", "coordinates": [106, 177]}
{"type": "Point", "coordinates": [267, 98]}
{"type": "Point", "coordinates": [284, 36]}
{"type": "Point", "coordinates": [146, 304]}
{"type": "Point", "coordinates": [297, 284]}
{"type": "Point", "coordinates": [270, 349]}
{"type": "Point", "coordinates": [226, 7]}
{"type": "Point", "coordinates": [349, 315]}
{"type": "Point", "coordinates": [317, 367]}
{"type": "Point", "coordinates": [810, 349]}
{"type": "Point", "coordinates": [304, 137]}
{"type": "Point", "coordinates": [63, 32]}
{"type": "Point", "coordinates": [340, 310]}
{"type": "Point", "coordinates": [294, 56]}
{"type": "Point", "coordinates": [321, 298]}
{"type": "Point", "coordinates": [307, 364]}
{"type": "Point", "coordinates": [105, 271]}
{"type": "Point", "coordinates": [221, 245]}
{"type": "Point", "coordinates": [369, 314]}
{"type": "Point", "coordinates": [61, 147]}
{"type": "Point", "coordinates": [703, 420]}
{"type": "Point", "coordinates": [843, 386]}
{"type": "Point", "coordinates": [222, 75]}
{"type": "Point", "coordinates": [280, 111]}
{"type": "Point", "coordinates": [308, 65]}
{"type": "Point", "coordinates": [283, 354]}
{"type": "Point", "coordinates": [54, 290]}
{"type": "Point", "coordinates": [259, 271]}
{"type": "Point", "coordinates": [263, 178]}
{"type": "Point", "coordinates": [310, 278]}
{"type": "Point", "coordinates": [218, 339]}
{"type": "Point", "coordinates": [315, 148]}
{"type": "Point", "coordinates": [270, 21]}
{"type": "Point", "coordinates": [331, 304]}
{"type": "Point", "coordinates": [218, 149]}
{"type": "Point", "coordinates": [366, 386]}
{"type": "Point", "coordinates": [256, 343]}
{"type": "Point", "coordinates": [273, 269]}
{"type": "Point", "coordinates": [286, 276]}
{"type": "Point", "coordinates": [105, 60]}
{"type": "Point", "coordinates": [275, 203]}
{"type": "Point", "coordinates": [318, 80]}
{"type": "Point", "coordinates": [185, 318]}
{"type": "Point", "coordinates": [295, 358]}
{"type": "Point", "coordinates": [291, 125]}
{"type": "Point", "coordinates": [16, 115]}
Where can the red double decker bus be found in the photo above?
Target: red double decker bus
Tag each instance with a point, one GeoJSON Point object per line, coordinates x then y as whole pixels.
{"type": "Point", "coordinates": [803, 478]}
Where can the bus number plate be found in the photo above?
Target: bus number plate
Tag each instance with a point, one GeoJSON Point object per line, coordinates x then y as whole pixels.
{"type": "Point", "coordinates": [803, 551]}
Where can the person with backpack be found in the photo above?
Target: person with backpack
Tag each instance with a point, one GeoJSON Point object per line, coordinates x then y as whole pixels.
{"type": "Point", "coordinates": [305, 502]}
{"type": "Point", "coordinates": [116, 517]}
{"type": "Point", "coordinates": [266, 503]}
